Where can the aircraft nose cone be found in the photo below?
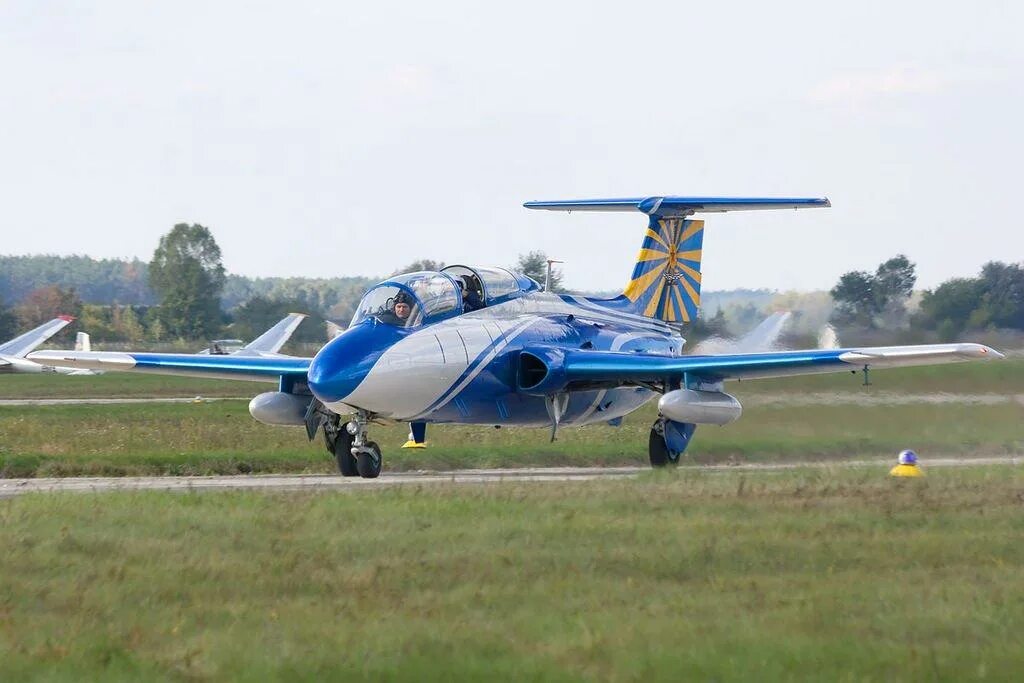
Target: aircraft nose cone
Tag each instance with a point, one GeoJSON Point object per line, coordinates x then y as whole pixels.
{"type": "Point", "coordinates": [342, 365]}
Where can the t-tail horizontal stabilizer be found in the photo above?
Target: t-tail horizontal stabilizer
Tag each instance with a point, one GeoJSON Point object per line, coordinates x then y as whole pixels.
{"type": "Point", "coordinates": [666, 278]}
{"type": "Point", "coordinates": [681, 206]}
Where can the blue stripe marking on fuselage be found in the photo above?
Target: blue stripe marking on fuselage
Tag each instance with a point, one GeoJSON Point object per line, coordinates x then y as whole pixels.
{"type": "Point", "coordinates": [492, 403]}
{"type": "Point", "coordinates": [476, 362]}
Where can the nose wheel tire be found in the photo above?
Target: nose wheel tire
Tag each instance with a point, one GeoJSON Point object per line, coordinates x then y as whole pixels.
{"type": "Point", "coordinates": [339, 442]}
{"type": "Point", "coordinates": [368, 463]}
{"type": "Point", "coordinates": [658, 451]}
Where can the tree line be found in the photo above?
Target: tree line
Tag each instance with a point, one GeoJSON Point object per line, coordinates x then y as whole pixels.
{"type": "Point", "coordinates": [994, 300]}
{"type": "Point", "coordinates": [182, 293]}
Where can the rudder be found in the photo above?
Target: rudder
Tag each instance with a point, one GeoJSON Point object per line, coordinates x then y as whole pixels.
{"type": "Point", "coordinates": [666, 278]}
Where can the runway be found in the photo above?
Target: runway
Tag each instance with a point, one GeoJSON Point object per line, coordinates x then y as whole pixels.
{"type": "Point", "coordinates": [301, 482]}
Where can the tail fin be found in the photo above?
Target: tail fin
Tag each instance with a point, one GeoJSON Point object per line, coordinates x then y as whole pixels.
{"type": "Point", "coordinates": [21, 345]}
{"type": "Point", "coordinates": [273, 339]}
{"type": "Point", "coordinates": [666, 278]}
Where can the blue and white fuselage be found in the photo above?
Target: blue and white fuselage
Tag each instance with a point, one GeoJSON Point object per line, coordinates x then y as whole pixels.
{"type": "Point", "coordinates": [465, 369]}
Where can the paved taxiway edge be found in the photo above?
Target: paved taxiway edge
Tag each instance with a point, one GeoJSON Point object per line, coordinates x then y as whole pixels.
{"type": "Point", "coordinates": [298, 482]}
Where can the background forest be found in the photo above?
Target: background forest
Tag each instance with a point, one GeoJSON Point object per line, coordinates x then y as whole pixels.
{"type": "Point", "coordinates": [184, 297]}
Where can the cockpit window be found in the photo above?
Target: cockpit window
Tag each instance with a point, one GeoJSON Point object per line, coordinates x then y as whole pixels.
{"type": "Point", "coordinates": [469, 283]}
{"type": "Point", "coordinates": [409, 300]}
{"type": "Point", "coordinates": [436, 293]}
{"type": "Point", "coordinates": [391, 305]}
{"type": "Point", "coordinates": [498, 282]}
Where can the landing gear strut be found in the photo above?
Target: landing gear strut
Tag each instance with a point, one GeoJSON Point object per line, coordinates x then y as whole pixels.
{"type": "Point", "coordinates": [339, 443]}
{"type": "Point", "coordinates": [366, 453]}
{"type": "Point", "coordinates": [657, 449]}
{"type": "Point", "coordinates": [668, 441]}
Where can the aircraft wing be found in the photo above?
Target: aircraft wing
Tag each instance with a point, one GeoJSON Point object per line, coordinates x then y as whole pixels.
{"type": "Point", "coordinates": [254, 368]}
{"type": "Point", "coordinates": [22, 344]}
{"type": "Point", "coordinates": [585, 368]}
{"type": "Point", "coordinates": [273, 339]}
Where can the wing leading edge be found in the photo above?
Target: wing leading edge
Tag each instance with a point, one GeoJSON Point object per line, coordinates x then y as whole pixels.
{"type": "Point", "coordinates": [253, 368]}
{"type": "Point", "coordinates": [611, 367]}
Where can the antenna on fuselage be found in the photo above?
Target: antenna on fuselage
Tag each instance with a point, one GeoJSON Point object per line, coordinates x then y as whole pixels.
{"type": "Point", "coordinates": [547, 274]}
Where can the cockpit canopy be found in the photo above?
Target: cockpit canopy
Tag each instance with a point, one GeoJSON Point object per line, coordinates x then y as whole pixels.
{"type": "Point", "coordinates": [425, 297]}
{"type": "Point", "coordinates": [410, 300]}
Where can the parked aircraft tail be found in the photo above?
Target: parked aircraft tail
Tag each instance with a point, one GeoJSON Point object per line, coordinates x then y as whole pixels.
{"type": "Point", "coordinates": [764, 337]}
{"type": "Point", "coordinates": [273, 339]}
{"type": "Point", "coordinates": [666, 278]}
{"type": "Point", "coordinates": [21, 345]}
{"type": "Point", "coordinates": [333, 330]}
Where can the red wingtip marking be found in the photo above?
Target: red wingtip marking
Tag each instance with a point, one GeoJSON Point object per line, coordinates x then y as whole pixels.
{"type": "Point", "coordinates": [67, 318]}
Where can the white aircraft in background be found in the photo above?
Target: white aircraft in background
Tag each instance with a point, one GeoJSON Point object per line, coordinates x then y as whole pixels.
{"type": "Point", "coordinates": [334, 330]}
{"type": "Point", "coordinates": [764, 337]}
{"type": "Point", "coordinates": [267, 344]}
{"type": "Point", "coordinates": [12, 354]}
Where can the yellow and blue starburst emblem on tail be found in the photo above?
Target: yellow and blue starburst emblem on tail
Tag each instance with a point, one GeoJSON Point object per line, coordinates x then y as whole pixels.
{"type": "Point", "coordinates": [666, 279]}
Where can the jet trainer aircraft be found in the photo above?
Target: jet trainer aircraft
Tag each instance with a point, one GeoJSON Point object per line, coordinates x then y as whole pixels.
{"type": "Point", "coordinates": [484, 345]}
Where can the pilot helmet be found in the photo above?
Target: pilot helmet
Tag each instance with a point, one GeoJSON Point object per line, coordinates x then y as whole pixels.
{"type": "Point", "coordinates": [908, 457]}
{"type": "Point", "coordinates": [403, 298]}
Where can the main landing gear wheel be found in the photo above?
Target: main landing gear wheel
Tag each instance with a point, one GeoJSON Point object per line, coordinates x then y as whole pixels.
{"type": "Point", "coordinates": [368, 462]}
{"type": "Point", "coordinates": [657, 449]}
{"type": "Point", "coordinates": [339, 442]}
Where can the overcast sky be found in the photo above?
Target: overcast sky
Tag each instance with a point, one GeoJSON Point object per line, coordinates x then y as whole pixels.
{"type": "Point", "coordinates": [329, 139]}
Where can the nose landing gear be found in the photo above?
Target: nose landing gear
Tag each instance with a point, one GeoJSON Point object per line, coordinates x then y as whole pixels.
{"type": "Point", "coordinates": [366, 453]}
{"type": "Point", "coordinates": [347, 441]}
{"type": "Point", "coordinates": [339, 442]}
{"type": "Point", "coordinates": [369, 461]}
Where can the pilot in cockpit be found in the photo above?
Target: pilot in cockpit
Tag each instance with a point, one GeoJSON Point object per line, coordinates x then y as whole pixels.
{"type": "Point", "coordinates": [471, 300]}
{"type": "Point", "coordinates": [399, 312]}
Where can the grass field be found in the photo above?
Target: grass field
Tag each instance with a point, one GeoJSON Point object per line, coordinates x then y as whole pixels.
{"type": "Point", "coordinates": [824, 575]}
{"type": "Point", "coordinates": [220, 437]}
{"type": "Point", "coordinates": [121, 385]}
